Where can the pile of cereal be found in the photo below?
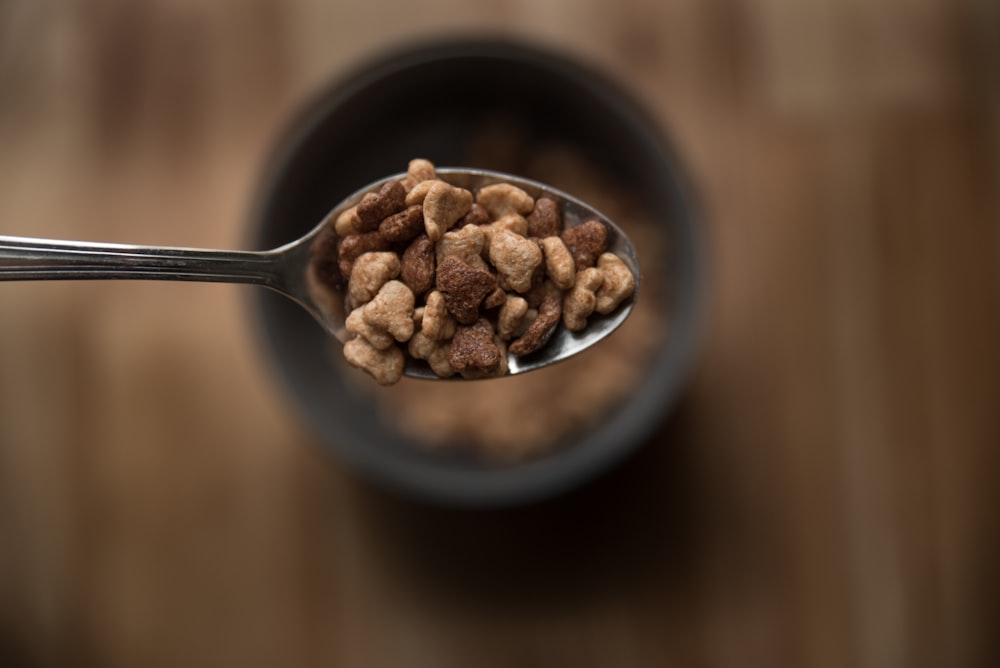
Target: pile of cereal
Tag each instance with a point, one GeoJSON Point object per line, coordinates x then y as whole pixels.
{"type": "Point", "coordinates": [462, 279]}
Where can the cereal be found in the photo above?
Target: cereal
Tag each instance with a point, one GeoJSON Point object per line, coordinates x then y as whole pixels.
{"type": "Point", "coordinates": [444, 204]}
{"type": "Point", "coordinates": [586, 242]}
{"type": "Point", "coordinates": [500, 199]}
{"type": "Point", "coordinates": [473, 351]}
{"type": "Point", "coordinates": [370, 272]}
{"type": "Point", "coordinates": [581, 300]}
{"type": "Point", "coordinates": [375, 207]}
{"type": "Point", "coordinates": [417, 265]}
{"type": "Point", "coordinates": [618, 285]}
{"type": "Point", "coordinates": [541, 327]}
{"type": "Point", "coordinates": [559, 262]}
{"type": "Point", "coordinates": [460, 279]}
{"type": "Point", "coordinates": [545, 220]}
{"type": "Point", "coordinates": [403, 225]}
{"type": "Point", "coordinates": [385, 366]}
{"type": "Point", "coordinates": [515, 258]}
{"type": "Point", "coordinates": [464, 288]}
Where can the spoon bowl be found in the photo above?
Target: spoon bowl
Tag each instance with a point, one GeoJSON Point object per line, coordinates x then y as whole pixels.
{"type": "Point", "coordinates": [285, 269]}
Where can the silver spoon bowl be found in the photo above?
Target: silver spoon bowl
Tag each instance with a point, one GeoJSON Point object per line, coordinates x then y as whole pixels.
{"type": "Point", "coordinates": [286, 269]}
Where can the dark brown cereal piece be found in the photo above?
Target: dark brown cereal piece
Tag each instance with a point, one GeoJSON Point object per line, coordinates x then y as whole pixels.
{"type": "Point", "coordinates": [463, 288]}
{"type": "Point", "coordinates": [539, 289]}
{"type": "Point", "coordinates": [586, 242]}
{"type": "Point", "coordinates": [374, 207]}
{"type": "Point", "coordinates": [541, 328]}
{"type": "Point", "coordinates": [403, 225]}
{"type": "Point", "coordinates": [477, 216]}
{"type": "Point", "coordinates": [545, 220]}
{"type": "Point", "coordinates": [473, 350]}
{"type": "Point", "coordinates": [325, 258]}
{"type": "Point", "coordinates": [417, 265]}
{"type": "Point", "coordinates": [354, 246]}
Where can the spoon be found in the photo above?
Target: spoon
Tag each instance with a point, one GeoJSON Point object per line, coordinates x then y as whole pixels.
{"type": "Point", "coordinates": [286, 269]}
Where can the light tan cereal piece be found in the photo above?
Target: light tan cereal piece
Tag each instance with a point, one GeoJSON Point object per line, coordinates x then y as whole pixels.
{"type": "Point", "coordinates": [418, 171]}
{"type": "Point", "coordinates": [541, 327]}
{"type": "Point", "coordinates": [435, 352]}
{"type": "Point", "coordinates": [443, 206]}
{"type": "Point", "coordinates": [512, 222]}
{"type": "Point", "coordinates": [385, 366]}
{"type": "Point", "coordinates": [417, 265]}
{"type": "Point", "coordinates": [559, 262]}
{"type": "Point", "coordinates": [370, 272]}
{"type": "Point", "coordinates": [419, 191]}
{"type": "Point", "coordinates": [515, 258]}
{"type": "Point", "coordinates": [347, 223]}
{"type": "Point", "coordinates": [545, 220]}
{"type": "Point", "coordinates": [473, 352]}
{"type": "Point", "coordinates": [579, 302]}
{"type": "Point", "coordinates": [375, 336]}
{"type": "Point", "coordinates": [437, 323]}
{"type": "Point", "coordinates": [500, 199]}
{"type": "Point", "coordinates": [391, 310]}
{"type": "Point", "coordinates": [375, 207]}
{"type": "Point", "coordinates": [464, 288]}
{"type": "Point", "coordinates": [466, 244]}
{"type": "Point", "coordinates": [511, 316]}
{"type": "Point", "coordinates": [618, 285]}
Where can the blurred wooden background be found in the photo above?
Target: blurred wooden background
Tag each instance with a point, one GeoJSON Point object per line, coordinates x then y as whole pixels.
{"type": "Point", "coordinates": [825, 496]}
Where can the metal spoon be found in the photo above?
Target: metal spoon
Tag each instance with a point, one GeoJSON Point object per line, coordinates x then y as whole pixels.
{"type": "Point", "coordinates": [286, 269]}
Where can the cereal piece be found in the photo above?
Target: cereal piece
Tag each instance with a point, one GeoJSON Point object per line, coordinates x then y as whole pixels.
{"type": "Point", "coordinates": [463, 288]}
{"type": "Point", "coordinates": [374, 207]}
{"type": "Point", "coordinates": [403, 225]}
{"type": "Point", "coordinates": [418, 192]}
{"type": "Point", "coordinates": [418, 171]}
{"type": "Point", "coordinates": [473, 352]}
{"type": "Point", "coordinates": [385, 366]}
{"type": "Point", "coordinates": [437, 323]}
{"type": "Point", "coordinates": [541, 327]}
{"type": "Point", "coordinates": [477, 216]}
{"type": "Point", "coordinates": [356, 325]}
{"type": "Point", "coordinates": [435, 352]}
{"type": "Point", "coordinates": [618, 285]}
{"type": "Point", "coordinates": [545, 220]}
{"type": "Point", "coordinates": [581, 300]}
{"type": "Point", "coordinates": [500, 199]}
{"type": "Point", "coordinates": [370, 272]}
{"type": "Point", "coordinates": [354, 246]}
{"type": "Point", "coordinates": [324, 258]}
{"type": "Point", "coordinates": [443, 205]}
{"type": "Point", "coordinates": [391, 311]}
{"type": "Point", "coordinates": [466, 244]}
{"type": "Point", "coordinates": [347, 222]}
{"type": "Point", "coordinates": [515, 258]}
{"type": "Point", "coordinates": [511, 316]}
{"type": "Point", "coordinates": [417, 265]}
{"type": "Point", "coordinates": [559, 262]}
{"type": "Point", "coordinates": [586, 242]}
{"type": "Point", "coordinates": [495, 298]}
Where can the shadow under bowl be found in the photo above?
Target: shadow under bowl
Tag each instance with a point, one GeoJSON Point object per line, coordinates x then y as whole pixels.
{"type": "Point", "coordinates": [433, 101]}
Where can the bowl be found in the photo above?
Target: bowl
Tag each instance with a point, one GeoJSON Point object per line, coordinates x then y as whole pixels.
{"type": "Point", "coordinates": [508, 106]}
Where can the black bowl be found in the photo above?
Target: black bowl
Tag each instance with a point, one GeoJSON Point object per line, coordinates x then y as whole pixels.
{"type": "Point", "coordinates": [432, 101]}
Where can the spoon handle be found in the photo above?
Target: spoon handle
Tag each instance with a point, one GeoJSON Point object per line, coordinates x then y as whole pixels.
{"type": "Point", "coordinates": [25, 258]}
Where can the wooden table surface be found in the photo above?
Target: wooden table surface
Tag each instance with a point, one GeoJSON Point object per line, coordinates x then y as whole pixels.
{"type": "Point", "coordinates": [825, 495]}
